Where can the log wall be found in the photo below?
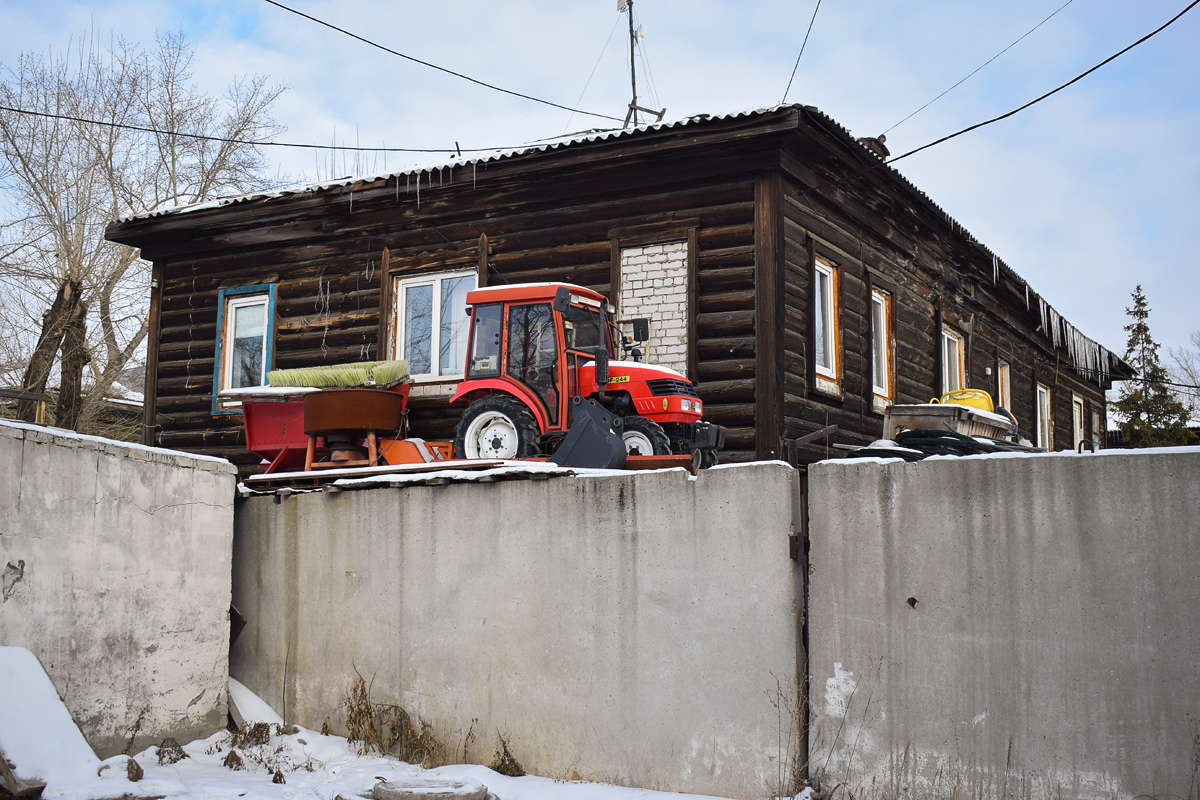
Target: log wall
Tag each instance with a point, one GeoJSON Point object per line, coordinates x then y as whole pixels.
{"type": "Point", "coordinates": [935, 277]}
{"type": "Point", "coordinates": [326, 257]}
{"type": "Point", "coordinates": [757, 198]}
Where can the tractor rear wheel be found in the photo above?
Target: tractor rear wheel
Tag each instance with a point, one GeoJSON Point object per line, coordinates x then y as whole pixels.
{"type": "Point", "coordinates": [645, 437]}
{"type": "Point", "coordinates": [496, 426]}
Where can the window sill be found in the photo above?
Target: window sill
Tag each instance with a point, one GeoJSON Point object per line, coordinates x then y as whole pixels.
{"type": "Point", "coordinates": [434, 387]}
{"type": "Point", "coordinates": [826, 387]}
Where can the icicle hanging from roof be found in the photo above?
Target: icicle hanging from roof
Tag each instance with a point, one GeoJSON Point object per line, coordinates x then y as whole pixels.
{"type": "Point", "coordinates": [1089, 358]}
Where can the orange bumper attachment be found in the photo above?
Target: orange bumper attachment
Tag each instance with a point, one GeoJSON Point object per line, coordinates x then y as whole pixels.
{"type": "Point", "coordinates": [413, 451]}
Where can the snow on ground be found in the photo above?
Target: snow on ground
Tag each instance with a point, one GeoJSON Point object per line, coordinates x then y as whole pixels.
{"type": "Point", "coordinates": [313, 766]}
{"type": "Point", "coordinates": [250, 706]}
{"type": "Point", "coordinates": [268, 762]}
{"type": "Point", "coordinates": [37, 734]}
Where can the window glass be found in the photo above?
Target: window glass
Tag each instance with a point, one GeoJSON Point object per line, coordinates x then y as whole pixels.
{"type": "Point", "coordinates": [418, 328]}
{"type": "Point", "coordinates": [453, 319]}
{"type": "Point", "coordinates": [1045, 422]}
{"type": "Point", "coordinates": [243, 347]}
{"type": "Point", "coordinates": [532, 352]}
{"type": "Point", "coordinates": [485, 346]}
{"type": "Point", "coordinates": [952, 362]}
{"type": "Point", "coordinates": [825, 320]}
{"type": "Point", "coordinates": [583, 329]}
{"type": "Point", "coordinates": [1095, 430]}
{"type": "Point", "coordinates": [249, 323]}
{"type": "Point", "coordinates": [880, 344]}
{"type": "Point", "coordinates": [432, 322]}
{"type": "Point", "coordinates": [1077, 421]}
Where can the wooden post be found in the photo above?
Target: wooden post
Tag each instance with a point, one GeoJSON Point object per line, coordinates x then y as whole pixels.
{"type": "Point", "coordinates": [481, 279]}
{"type": "Point", "coordinates": [693, 301]}
{"type": "Point", "coordinates": [385, 304]}
{"type": "Point", "coordinates": [153, 335]}
{"type": "Point", "coordinates": [768, 316]}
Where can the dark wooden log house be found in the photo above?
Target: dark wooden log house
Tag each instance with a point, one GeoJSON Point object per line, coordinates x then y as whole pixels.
{"type": "Point", "coordinates": [799, 281]}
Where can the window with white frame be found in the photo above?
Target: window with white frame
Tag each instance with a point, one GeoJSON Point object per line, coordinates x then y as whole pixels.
{"type": "Point", "coordinates": [431, 322]}
{"type": "Point", "coordinates": [881, 344]}
{"type": "Point", "coordinates": [1004, 385]}
{"type": "Point", "coordinates": [1045, 418]}
{"type": "Point", "coordinates": [1077, 418]}
{"type": "Point", "coordinates": [953, 363]}
{"type": "Point", "coordinates": [245, 328]}
{"type": "Point", "coordinates": [825, 346]}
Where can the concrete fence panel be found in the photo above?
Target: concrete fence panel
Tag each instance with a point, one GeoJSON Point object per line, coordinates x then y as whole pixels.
{"type": "Point", "coordinates": [1007, 627]}
{"type": "Point", "coordinates": [116, 575]}
{"type": "Point", "coordinates": [630, 628]}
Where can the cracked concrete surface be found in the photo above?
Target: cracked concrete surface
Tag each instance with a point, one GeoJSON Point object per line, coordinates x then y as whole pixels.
{"type": "Point", "coordinates": [117, 562]}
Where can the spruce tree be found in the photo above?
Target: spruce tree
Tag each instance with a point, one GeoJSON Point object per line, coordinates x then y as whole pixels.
{"type": "Point", "coordinates": [1150, 414]}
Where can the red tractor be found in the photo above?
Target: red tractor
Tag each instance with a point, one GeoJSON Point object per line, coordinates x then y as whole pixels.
{"type": "Point", "coordinates": [538, 351]}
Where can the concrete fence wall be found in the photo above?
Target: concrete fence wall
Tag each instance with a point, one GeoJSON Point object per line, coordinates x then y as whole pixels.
{"type": "Point", "coordinates": [116, 565]}
{"type": "Point", "coordinates": [630, 628]}
{"type": "Point", "coordinates": [1007, 627]}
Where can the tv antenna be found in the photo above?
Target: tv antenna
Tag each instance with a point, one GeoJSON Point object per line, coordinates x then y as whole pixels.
{"type": "Point", "coordinates": [634, 37]}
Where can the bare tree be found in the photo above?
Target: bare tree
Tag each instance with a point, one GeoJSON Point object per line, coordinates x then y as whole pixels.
{"type": "Point", "coordinates": [77, 304]}
{"type": "Point", "coordinates": [1185, 369]}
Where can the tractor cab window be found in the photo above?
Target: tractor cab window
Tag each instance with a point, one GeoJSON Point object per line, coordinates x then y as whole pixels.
{"type": "Point", "coordinates": [533, 352]}
{"type": "Point", "coordinates": [583, 329]}
{"type": "Point", "coordinates": [485, 342]}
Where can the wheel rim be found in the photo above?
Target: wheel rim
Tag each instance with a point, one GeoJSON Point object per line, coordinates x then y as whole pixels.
{"type": "Point", "coordinates": [637, 443]}
{"type": "Point", "coordinates": [491, 435]}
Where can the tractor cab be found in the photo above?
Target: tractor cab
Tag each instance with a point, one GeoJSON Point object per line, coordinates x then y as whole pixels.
{"type": "Point", "coordinates": [533, 348]}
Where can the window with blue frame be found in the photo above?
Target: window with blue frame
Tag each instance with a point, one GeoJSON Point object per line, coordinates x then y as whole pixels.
{"type": "Point", "coordinates": [245, 334]}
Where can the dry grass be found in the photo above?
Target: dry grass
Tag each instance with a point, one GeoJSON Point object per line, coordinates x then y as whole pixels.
{"type": "Point", "coordinates": [504, 761]}
{"type": "Point", "coordinates": [388, 728]}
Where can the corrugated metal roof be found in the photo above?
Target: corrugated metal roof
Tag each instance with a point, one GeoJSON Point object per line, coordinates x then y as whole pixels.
{"type": "Point", "coordinates": [477, 158]}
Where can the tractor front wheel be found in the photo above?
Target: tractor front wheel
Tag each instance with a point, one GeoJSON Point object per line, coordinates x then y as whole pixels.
{"type": "Point", "coordinates": [496, 426]}
{"type": "Point", "coordinates": [645, 437]}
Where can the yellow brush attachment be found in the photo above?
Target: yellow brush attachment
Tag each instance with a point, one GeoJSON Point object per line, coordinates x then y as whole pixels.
{"type": "Point", "coordinates": [380, 374]}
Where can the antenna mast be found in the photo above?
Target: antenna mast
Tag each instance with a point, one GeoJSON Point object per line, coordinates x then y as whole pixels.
{"type": "Point", "coordinates": [634, 35]}
{"type": "Point", "coordinates": [633, 106]}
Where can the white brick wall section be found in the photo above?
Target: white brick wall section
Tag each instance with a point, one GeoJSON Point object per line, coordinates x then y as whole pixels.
{"type": "Point", "coordinates": [654, 285]}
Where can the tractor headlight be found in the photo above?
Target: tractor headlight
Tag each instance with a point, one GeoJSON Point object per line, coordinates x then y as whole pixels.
{"type": "Point", "coordinates": [685, 405]}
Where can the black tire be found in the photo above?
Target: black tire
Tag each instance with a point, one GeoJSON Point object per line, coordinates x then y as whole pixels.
{"type": "Point", "coordinates": [510, 425]}
{"type": "Point", "coordinates": [640, 430]}
{"type": "Point", "coordinates": [709, 458]}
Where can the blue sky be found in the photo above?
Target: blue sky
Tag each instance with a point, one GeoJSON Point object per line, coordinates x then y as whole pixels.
{"type": "Point", "coordinates": [1085, 195]}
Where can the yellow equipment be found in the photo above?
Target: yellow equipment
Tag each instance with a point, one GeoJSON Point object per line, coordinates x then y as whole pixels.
{"type": "Point", "coordinates": [975, 398]}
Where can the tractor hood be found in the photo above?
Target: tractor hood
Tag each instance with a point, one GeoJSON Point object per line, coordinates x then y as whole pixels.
{"type": "Point", "coordinates": [660, 393]}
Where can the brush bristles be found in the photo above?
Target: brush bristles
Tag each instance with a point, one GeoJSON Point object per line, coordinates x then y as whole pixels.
{"type": "Point", "coordinates": [380, 374]}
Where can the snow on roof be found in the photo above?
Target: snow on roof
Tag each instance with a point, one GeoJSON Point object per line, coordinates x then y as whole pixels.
{"type": "Point", "coordinates": [1091, 359]}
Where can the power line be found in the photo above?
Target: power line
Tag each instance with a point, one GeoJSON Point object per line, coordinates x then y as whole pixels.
{"type": "Point", "coordinates": [1163, 383]}
{"type": "Point", "coordinates": [592, 74]}
{"type": "Point", "coordinates": [981, 66]}
{"type": "Point", "coordinates": [440, 69]}
{"type": "Point", "coordinates": [1035, 101]}
{"type": "Point", "coordinates": [656, 101]}
{"type": "Point", "coordinates": [253, 142]}
{"type": "Point", "coordinates": [802, 45]}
